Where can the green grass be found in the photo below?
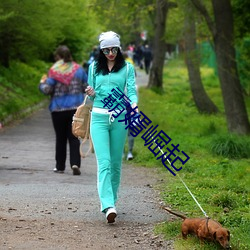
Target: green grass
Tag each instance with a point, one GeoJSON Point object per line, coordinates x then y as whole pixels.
{"type": "Point", "coordinates": [231, 146]}
{"type": "Point", "coordinates": [218, 170]}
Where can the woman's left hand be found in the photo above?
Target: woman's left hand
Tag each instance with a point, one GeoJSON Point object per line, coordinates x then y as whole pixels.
{"type": "Point", "coordinates": [90, 91]}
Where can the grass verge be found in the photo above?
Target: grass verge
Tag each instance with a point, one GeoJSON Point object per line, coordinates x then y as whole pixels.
{"type": "Point", "coordinates": [218, 170]}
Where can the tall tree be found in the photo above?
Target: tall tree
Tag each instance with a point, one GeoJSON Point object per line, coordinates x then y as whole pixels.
{"type": "Point", "coordinates": [156, 72]}
{"type": "Point", "coordinates": [223, 38]}
{"type": "Point", "coordinates": [28, 33]}
{"type": "Point", "coordinates": [201, 99]}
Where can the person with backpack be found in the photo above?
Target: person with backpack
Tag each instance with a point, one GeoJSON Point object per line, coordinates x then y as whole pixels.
{"type": "Point", "coordinates": [109, 73]}
{"type": "Point", "coordinates": [65, 83]}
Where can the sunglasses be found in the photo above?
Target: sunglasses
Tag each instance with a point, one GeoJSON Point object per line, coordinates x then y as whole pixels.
{"type": "Point", "coordinates": [106, 51]}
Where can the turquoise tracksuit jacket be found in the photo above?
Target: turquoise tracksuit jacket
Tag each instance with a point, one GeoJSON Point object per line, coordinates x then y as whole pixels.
{"type": "Point", "coordinates": [103, 84]}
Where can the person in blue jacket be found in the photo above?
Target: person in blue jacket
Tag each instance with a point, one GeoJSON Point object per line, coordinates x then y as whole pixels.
{"type": "Point", "coordinates": [65, 83]}
{"type": "Point", "coordinates": [109, 74]}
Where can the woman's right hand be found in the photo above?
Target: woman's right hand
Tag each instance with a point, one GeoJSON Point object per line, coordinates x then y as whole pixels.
{"type": "Point", "coordinates": [90, 91]}
{"type": "Point", "coordinates": [43, 79]}
{"type": "Point", "coordinates": [133, 106]}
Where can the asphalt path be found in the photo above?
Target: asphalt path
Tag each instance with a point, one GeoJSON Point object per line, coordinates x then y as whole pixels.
{"type": "Point", "coordinates": [26, 164]}
{"type": "Point", "coordinates": [31, 190]}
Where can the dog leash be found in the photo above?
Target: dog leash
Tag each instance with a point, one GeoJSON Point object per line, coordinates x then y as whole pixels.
{"type": "Point", "coordinates": [205, 214]}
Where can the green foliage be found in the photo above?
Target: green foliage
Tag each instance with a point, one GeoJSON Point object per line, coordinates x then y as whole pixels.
{"type": "Point", "coordinates": [208, 58]}
{"type": "Point", "coordinates": [224, 200]}
{"type": "Point", "coordinates": [243, 60]}
{"type": "Point", "coordinates": [219, 183]}
{"type": "Point", "coordinates": [19, 87]}
{"type": "Point", "coordinates": [28, 33]}
{"type": "Point", "coordinates": [175, 24]}
{"type": "Point", "coordinates": [175, 28]}
{"type": "Point", "coordinates": [128, 18]}
{"type": "Point", "coordinates": [231, 146]}
{"type": "Point", "coordinates": [241, 17]}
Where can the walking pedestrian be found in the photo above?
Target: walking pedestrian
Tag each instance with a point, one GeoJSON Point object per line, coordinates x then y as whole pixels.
{"type": "Point", "coordinates": [138, 52]}
{"type": "Point", "coordinates": [131, 139]}
{"type": "Point", "coordinates": [108, 72]}
{"type": "Point", "coordinates": [147, 54]}
{"type": "Point", "coordinates": [65, 84]}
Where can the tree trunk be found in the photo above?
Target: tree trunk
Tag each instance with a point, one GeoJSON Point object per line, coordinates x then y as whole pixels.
{"type": "Point", "coordinates": [201, 99]}
{"type": "Point", "coordinates": [235, 109]}
{"type": "Point", "coordinates": [159, 47]}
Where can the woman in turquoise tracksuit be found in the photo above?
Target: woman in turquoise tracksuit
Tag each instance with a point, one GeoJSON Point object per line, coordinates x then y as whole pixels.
{"type": "Point", "coordinates": [106, 74]}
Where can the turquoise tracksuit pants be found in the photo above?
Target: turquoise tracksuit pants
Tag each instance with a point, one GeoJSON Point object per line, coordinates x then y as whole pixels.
{"type": "Point", "coordinates": [108, 139]}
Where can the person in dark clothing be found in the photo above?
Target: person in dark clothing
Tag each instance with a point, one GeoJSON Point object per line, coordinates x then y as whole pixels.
{"type": "Point", "coordinates": [138, 56]}
{"type": "Point", "coordinates": [147, 54]}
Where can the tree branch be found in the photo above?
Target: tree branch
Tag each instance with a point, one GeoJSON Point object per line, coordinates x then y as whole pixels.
{"type": "Point", "coordinates": [202, 9]}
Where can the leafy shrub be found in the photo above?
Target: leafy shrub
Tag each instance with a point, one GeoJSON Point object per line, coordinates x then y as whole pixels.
{"type": "Point", "coordinates": [231, 146]}
{"type": "Point", "coordinates": [224, 200]}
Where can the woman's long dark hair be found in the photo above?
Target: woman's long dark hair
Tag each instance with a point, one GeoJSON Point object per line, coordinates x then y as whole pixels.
{"type": "Point", "coordinates": [102, 67]}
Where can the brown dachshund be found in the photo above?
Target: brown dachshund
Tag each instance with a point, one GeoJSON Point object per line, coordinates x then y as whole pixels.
{"type": "Point", "coordinates": [204, 228]}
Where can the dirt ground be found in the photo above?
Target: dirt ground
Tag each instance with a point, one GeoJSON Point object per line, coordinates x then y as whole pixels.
{"type": "Point", "coordinates": [40, 209]}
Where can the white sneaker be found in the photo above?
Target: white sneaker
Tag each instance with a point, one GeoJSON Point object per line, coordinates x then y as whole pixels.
{"type": "Point", "coordinates": [111, 214]}
{"type": "Point", "coordinates": [130, 156]}
{"type": "Point", "coordinates": [58, 171]}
